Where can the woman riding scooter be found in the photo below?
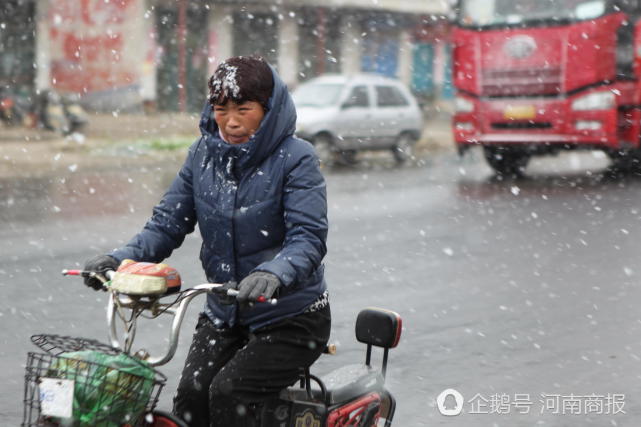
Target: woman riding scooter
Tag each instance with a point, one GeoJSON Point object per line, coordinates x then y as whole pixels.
{"type": "Point", "coordinates": [259, 199]}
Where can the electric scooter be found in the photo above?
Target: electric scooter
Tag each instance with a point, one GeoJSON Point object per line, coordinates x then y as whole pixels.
{"type": "Point", "coordinates": [73, 380]}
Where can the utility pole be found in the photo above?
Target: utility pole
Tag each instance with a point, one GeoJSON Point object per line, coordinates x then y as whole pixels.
{"type": "Point", "coordinates": [182, 55]}
{"type": "Point", "coordinates": [321, 29]}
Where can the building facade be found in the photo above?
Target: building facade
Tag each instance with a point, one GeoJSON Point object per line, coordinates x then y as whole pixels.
{"type": "Point", "coordinates": [121, 54]}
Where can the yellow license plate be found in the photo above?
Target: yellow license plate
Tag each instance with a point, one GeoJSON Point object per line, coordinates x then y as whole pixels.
{"type": "Point", "coordinates": [519, 112]}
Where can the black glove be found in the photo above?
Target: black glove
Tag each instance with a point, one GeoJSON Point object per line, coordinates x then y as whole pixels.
{"type": "Point", "coordinates": [225, 299]}
{"type": "Point", "coordinates": [99, 264]}
{"type": "Point", "coordinates": [258, 283]}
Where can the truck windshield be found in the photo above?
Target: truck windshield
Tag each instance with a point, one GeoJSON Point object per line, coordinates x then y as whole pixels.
{"type": "Point", "coordinates": [490, 13]}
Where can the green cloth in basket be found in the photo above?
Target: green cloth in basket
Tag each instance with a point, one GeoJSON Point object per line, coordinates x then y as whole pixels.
{"type": "Point", "coordinates": [109, 390]}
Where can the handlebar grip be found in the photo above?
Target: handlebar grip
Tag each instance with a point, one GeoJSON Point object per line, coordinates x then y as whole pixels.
{"type": "Point", "coordinates": [109, 274]}
{"type": "Point", "coordinates": [272, 301]}
{"type": "Point", "coordinates": [261, 299]}
{"type": "Point", "coordinates": [66, 272]}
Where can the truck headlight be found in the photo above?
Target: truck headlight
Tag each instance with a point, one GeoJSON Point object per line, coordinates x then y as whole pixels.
{"type": "Point", "coordinates": [588, 125]}
{"type": "Point", "coordinates": [463, 105]}
{"type": "Point", "coordinates": [594, 101]}
{"type": "Point", "coordinates": [464, 126]}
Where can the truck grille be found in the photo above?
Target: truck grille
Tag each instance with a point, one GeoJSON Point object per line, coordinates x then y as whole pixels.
{"type": "Point", "coordinates": [522, 125]}
{"type": "Point", "coordinates": [532, 81]}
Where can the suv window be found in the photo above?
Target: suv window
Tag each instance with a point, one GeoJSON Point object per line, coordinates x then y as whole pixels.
{"type": "Point", "coordinates": [390, 96]}
{"type": "Point", "coordinates": [358, 97]}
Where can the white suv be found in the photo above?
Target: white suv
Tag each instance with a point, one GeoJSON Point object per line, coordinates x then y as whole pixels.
{"type": "Point", "coordinates": [341, 115]}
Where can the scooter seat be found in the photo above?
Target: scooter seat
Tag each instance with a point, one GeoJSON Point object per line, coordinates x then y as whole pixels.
{"type": "Point", "coordinates": [343, 384]}
{"type": "Point", "coordinates": [349, 382]}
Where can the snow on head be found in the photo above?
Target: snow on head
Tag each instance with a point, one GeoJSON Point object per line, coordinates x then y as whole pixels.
{"type": "Point", "coordinates": [224, 82]}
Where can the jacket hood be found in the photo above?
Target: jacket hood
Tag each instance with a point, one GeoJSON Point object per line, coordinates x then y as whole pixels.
{"type": "Point", "coordinates": [278, 124]}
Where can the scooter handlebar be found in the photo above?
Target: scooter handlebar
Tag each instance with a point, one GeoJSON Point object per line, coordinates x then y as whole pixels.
{"type": "Point", "coordinates": [109, 274]}
{"type": "Point", "coordinates": [118, 301]}
{"type": "Point", "coordinates": [84, 273]}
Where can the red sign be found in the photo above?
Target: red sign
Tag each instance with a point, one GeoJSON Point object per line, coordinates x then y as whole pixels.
{"type": "Point", "coordinates": [91, 44]}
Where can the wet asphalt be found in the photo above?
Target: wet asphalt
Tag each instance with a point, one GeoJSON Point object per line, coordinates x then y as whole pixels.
{"type": "Point", "coordinates": [522, 295]}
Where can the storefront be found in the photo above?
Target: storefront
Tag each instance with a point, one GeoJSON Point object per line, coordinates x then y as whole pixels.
{"type": "Point", "coordinates": [122, 54]}
{"type": "Point", "coordinates": [319, 37]}
{"type": "Point", "coordinates": [381, 43]}
{"type": "Point", "coordinates": [181, 64]}
{"type": "Point", "coordinates": [431, 59]}
{"type": "Point", "coordinates": [17, 44]}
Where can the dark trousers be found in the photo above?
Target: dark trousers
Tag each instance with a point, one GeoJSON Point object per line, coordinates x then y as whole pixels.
{"type": "Point", "coordinates": [230, 372]}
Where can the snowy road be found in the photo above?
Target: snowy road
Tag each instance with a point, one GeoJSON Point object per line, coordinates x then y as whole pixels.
{"type": "Point", "coordinates": [524, 296]}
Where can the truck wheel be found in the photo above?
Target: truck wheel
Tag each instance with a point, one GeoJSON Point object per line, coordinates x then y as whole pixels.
{"type": "Point", "coordinates": [506, 161]}
{"type": "Point", "coordinates": [625, 160]}
{"type": "Point", "coordinates": [324, 147]}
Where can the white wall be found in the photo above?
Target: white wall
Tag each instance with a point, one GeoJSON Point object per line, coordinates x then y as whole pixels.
{"type": "Point", "coordinates": [351, 47]}
{"type": "Point", "coordinates": [43, 47]}
{"type": "Point", "coordinates": [288, 50]}
{"type": "Point", "coordinates": [149, 64]}
{"type": "Point", "coordinates": [404, 70]}
{"type": "Point", "coordinates": [220, 35]}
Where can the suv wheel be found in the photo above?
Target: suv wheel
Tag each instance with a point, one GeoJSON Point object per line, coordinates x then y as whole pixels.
{"type": "Point", "coordinates": [348, 157]}
{"type": "Point", "coordinates": [324, 147]}
{"type": "Point", "coordinates": [404, 148]}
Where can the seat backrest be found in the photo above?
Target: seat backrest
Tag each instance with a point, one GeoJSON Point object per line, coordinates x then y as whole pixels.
{"type": "Point", "coordinates": [379, 327]}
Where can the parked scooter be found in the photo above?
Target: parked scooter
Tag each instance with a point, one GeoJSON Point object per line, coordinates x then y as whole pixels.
{"type": "Point", "coordinates": [12, 109]}
{"type": "Point", "coordinates": [59, 113]}
{"type": "Point", "coordinates": [46, 110]}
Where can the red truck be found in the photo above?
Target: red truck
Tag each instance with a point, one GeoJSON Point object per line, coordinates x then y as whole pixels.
{"type": "Point", "coordinates": [540, 76]}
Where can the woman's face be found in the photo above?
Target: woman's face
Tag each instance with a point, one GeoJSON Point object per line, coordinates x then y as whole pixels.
{"type": "Point", "coordinates": [238, 122]}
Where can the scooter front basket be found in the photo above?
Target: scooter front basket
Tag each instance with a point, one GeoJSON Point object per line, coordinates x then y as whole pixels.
{"type": "Point", "coordinates": [87, 387]}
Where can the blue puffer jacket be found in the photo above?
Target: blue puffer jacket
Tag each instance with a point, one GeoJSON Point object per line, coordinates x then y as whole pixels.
{"type": "Point", "coordinates": [259, 206]}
